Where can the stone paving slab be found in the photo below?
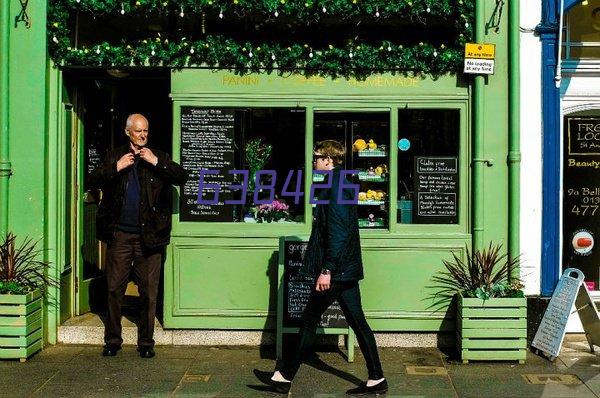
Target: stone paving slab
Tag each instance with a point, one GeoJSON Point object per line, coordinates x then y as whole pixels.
{"type": "Point", "coordinates": [192, 371]}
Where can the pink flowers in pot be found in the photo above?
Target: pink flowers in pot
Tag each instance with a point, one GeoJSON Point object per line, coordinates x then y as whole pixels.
{"type": "Point", "coordinates": [275, 211]}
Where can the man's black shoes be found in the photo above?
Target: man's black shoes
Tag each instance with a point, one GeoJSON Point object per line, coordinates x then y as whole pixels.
{"type": "Point", "coordinates": [379, 388]}
{"type": "Point", "coordinates": [110, 350]}
{"type": "Point", "coordinates": [146, 352]}
{"type": "Point", "coordinates": [280, 387]}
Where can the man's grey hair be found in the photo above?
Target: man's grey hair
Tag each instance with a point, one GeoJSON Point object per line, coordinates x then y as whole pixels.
{"type": "Point", "coordinates": [129, 121]}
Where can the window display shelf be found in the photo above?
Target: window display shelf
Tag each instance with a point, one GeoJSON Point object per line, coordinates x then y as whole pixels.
{"type": "Point", "coordinates": [366, 223]}
{"type": "Point", "coordinates": [319, 177]}
{"type": "Point", "coordinates": [371, 153]}
{"type": "Point", "coordinates": [371, 202]}
{"type": "Point", "coordinates": [362, 176]}
{"type": "Point", "coordinates": [365, 176]}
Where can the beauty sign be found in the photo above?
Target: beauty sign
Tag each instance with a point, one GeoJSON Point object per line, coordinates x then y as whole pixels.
{"type": "Point", "coordinates": [479, 58]}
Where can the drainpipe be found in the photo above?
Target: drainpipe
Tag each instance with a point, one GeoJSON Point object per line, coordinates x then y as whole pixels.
{"type": "Point", "coordinates": [478, 158]}
{"type": "Point", "coordinates": [514, 134]}
{"type": "Point", "coordinates": [5, 166]}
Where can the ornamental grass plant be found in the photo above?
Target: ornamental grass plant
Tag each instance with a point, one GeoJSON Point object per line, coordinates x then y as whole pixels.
{"type": "Point", "coordinates": [21, 270]}
{"type": "Point", "coordinates": [483, 274]}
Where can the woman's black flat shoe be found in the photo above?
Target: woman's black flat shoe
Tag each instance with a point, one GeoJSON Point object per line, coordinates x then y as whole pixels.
{"type": "Point", "coordinates": [280, 387]}
{"type": "Point", "coordinates": [379, 388]}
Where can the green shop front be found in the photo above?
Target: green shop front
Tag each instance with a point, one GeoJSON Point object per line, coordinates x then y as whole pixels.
{"type": "Point", "coordinates": [414, 136]}
{"type": "Point", "coordinates": [431, 150]}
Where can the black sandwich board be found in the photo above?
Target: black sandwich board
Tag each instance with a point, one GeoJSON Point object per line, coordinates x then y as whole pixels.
{"type": "Point", "coordinates": [293, 294]}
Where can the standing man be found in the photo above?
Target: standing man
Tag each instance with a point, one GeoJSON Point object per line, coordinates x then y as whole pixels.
{"type": "Point", "coordinates": [333, 259]}
{"type": "Point", "coordinates": [134, 219]}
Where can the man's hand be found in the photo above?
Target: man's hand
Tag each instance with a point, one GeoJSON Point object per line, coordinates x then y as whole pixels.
{"type": "Point", "coordinates": [148, 156]}
{"type": "Point", "coordinates": [125, 161]}
{"type": "Point", "coordinates": [323, 283]}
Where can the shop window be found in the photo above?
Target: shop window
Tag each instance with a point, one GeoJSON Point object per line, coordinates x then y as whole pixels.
{"type": "Point", "coordinates": [428, 166]}
{"type": "Point", "coordinates": [247, 164]}
{"type": "Point", "coordinates": [582, 31]}
{"type": "Point", "coordinates": [366, 138]}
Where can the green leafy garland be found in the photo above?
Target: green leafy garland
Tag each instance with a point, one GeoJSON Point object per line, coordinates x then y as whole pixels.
{"type": "Point", "coordinates": [213, 51]}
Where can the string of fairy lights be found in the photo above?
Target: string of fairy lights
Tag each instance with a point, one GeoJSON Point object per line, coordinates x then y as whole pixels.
{"type": "Point", "coordinates": [350, 59]}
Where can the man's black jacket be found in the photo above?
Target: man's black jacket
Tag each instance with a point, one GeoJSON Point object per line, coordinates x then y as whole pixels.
{"type": "Point", "coordinates": [334, 241]}
{"type": "Point", "coordinates": [155, 196]}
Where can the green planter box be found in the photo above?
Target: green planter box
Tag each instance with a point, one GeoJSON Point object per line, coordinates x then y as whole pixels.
{"type": "Point", "coordinates": [20, 325]}
{"type": "Point", "coordinates": [492, 330]}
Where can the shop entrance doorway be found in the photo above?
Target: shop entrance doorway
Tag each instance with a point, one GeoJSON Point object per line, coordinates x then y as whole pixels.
{"type": "Point", "coordinates": [102, 100]}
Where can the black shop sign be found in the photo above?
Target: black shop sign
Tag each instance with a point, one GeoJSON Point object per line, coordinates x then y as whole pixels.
{"type": "Point", "coordinates": [581, 196]}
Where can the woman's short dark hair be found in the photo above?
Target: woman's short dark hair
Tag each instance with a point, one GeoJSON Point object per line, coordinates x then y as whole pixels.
{"type": "Point", "coordinates": [332, 148]}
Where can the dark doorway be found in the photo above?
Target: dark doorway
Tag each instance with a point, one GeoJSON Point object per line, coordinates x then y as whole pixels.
{"type": "Point", "coordinates": [103, 99]}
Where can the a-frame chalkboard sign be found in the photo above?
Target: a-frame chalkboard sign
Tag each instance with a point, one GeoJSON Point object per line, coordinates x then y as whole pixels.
{"type": "Point", "coordinates": [551, 332]}
{"type": "Point", "coordinates": [293, 294]}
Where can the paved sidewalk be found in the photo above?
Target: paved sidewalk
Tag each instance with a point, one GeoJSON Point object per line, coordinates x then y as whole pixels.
{"type": "Point", "coordinates": [227, 372]}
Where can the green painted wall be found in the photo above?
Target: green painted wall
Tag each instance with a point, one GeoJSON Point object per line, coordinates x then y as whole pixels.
{"type": "Point", "coordinates": [495, 135]}
{"type": "Point", "coordinates": [28, 133]}
{"type": "Point", "coordinates": [27, 122]}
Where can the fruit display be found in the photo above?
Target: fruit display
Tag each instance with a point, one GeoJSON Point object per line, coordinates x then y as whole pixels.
{"type": "Point", "coordinates": [381, 169]}
{"type": "Point", "coordinates": [359, 145]}
{"type": "Point", "coordinates": [371, 194]}
{"type": "Point", "coordinates": [366, 135]}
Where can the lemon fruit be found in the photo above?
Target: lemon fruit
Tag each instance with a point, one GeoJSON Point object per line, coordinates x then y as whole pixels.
{"type": "Point", "coordinates": [360, 144]}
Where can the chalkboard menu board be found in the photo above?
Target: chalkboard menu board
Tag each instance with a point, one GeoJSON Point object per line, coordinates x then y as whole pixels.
{"type": "Point", "coordinates": [436, 190]}
{"type": "Point", "coordinates": [207, 143]}
{"type": "Point", "coordinates": [95, 141]}
{"type": "Point", "coordinates": [581, 197]}
{"type": "Point", "coordinates": [297, 290]}
{"type": "Point", "coordinates": [93, 159]}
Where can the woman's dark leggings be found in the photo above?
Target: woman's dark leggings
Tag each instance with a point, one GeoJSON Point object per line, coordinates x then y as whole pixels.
{"type": "Point", "coordinates": [348, 295]}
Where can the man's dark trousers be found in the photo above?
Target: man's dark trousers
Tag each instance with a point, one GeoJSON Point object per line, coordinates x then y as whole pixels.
{"type": "Point", "coordinates": [348, 295]}
{"type": "Point", "coordinates": [125, 254]}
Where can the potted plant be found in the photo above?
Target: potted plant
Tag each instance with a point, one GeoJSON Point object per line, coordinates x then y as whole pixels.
{"type": "Point", "coordinates": [491, 309]}
{"type": "Point", "coordinates": [276, 211]}
{"type": "Point", "coordinates": [23, 284]}
{"type": "Point", "coordinates": [258, 153]}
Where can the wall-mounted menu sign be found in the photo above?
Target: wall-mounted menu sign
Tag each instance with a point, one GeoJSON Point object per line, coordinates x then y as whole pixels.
{"type": "Point", "coordinates": [207, 143]}
{"type": "Point", "coordinates": [297, 290]}
{"type": "Point", "coordinates": [436, 190]}
{"type": "Point", "coordinates": [581, 197]}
